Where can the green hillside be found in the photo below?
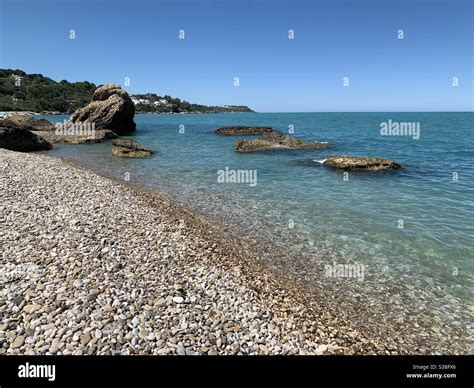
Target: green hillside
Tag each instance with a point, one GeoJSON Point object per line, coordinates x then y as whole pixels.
{"type": "Point", "coordinates": [34, 92]}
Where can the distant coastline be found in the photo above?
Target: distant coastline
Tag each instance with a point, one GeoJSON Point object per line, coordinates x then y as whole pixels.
{"type": "Point", "coordinates": [35, 93]}
{"type": "Point", "coordinates": [53, 113]}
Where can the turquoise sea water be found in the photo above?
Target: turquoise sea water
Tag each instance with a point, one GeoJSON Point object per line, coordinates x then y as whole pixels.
{"type": "Point", "coordinates": [415, 224]}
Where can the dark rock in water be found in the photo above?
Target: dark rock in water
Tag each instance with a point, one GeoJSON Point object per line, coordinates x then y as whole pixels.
{"type": "Point", "coordinates": [351, 163]}
{"type": "Point", "coordinates": [129, 149]}
{"type": "Point", "coordinates": [20, 139]}
{"type": "Point", "coordinates": [242, 131]}
{"type": "Point", "coordinates": [111, 108]}
{"type": "Point", "coordinates": [23, 121]}
{"type": "Point", "coordinates": [52, 133]}
{"type": "Point", "coordinates": [276, 140]}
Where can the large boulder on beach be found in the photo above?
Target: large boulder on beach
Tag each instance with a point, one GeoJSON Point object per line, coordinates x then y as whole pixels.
{"type": "Point", "coordinates": [276, 140]}
{"type": "Point", "coordinates": [129, 149]}
{"type": "Point", "coordinates": [25, 121]}
{"type": "Point", "coordinates": [242, 131]}
{"type": "Point", "coordinates": [352, 163]}
{"type": "Point", "coordinates": [20, 139]}
{"type": "Point", "coordinates": [111, 109]}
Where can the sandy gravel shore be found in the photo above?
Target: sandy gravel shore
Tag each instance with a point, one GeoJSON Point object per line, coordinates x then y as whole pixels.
{"type": "Point", "coordinates": [92, 266]}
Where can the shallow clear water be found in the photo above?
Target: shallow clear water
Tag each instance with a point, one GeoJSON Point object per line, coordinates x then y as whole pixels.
{"type": "Point", "coordinates": [301, 206]}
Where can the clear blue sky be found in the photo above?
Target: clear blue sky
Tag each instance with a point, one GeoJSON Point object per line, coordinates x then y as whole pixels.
{"type": "Point", "coordinates": [249, 39]}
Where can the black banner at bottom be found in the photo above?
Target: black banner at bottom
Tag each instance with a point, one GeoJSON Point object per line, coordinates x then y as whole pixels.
{"type": "Point", "coordinates": [382, 371]}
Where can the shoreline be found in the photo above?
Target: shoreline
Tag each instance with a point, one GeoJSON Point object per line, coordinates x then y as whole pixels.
{"type": "Point", "coordinates": [302, 327]}
{"type": "Point", "coordinates": [381, 317]}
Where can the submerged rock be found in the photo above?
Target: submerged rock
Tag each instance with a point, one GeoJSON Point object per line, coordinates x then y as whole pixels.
{"type": "Point", "coordinates": [129, 149]}
{"type": "Point", "coordinates": [242, 130]}
{"type": "Point", "coordinates": [20, 139]}
{"type": "Point", "coordinates": [111, 108]}
{"type": "Point", "coordinates": [352, 163]}
{"type": "Point", "coordinates": [276, 140]}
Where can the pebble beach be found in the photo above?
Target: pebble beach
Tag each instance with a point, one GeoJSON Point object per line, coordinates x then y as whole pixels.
{"type": "Point", "coordinates": [86, 269]}
{"type": "Point", "coordinates": [91, 265]}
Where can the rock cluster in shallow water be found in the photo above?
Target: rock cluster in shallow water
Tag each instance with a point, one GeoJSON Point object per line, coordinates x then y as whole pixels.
{"type": "Point", "coordinates": [242, 131]}
{"type": "Point", "coordinates": [352, 163]}
{"type": "Point", "coordinates": [276, 140]}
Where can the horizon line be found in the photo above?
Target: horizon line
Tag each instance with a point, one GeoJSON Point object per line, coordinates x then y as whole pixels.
{"type": "Point", "coordinates": [253, 111]}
